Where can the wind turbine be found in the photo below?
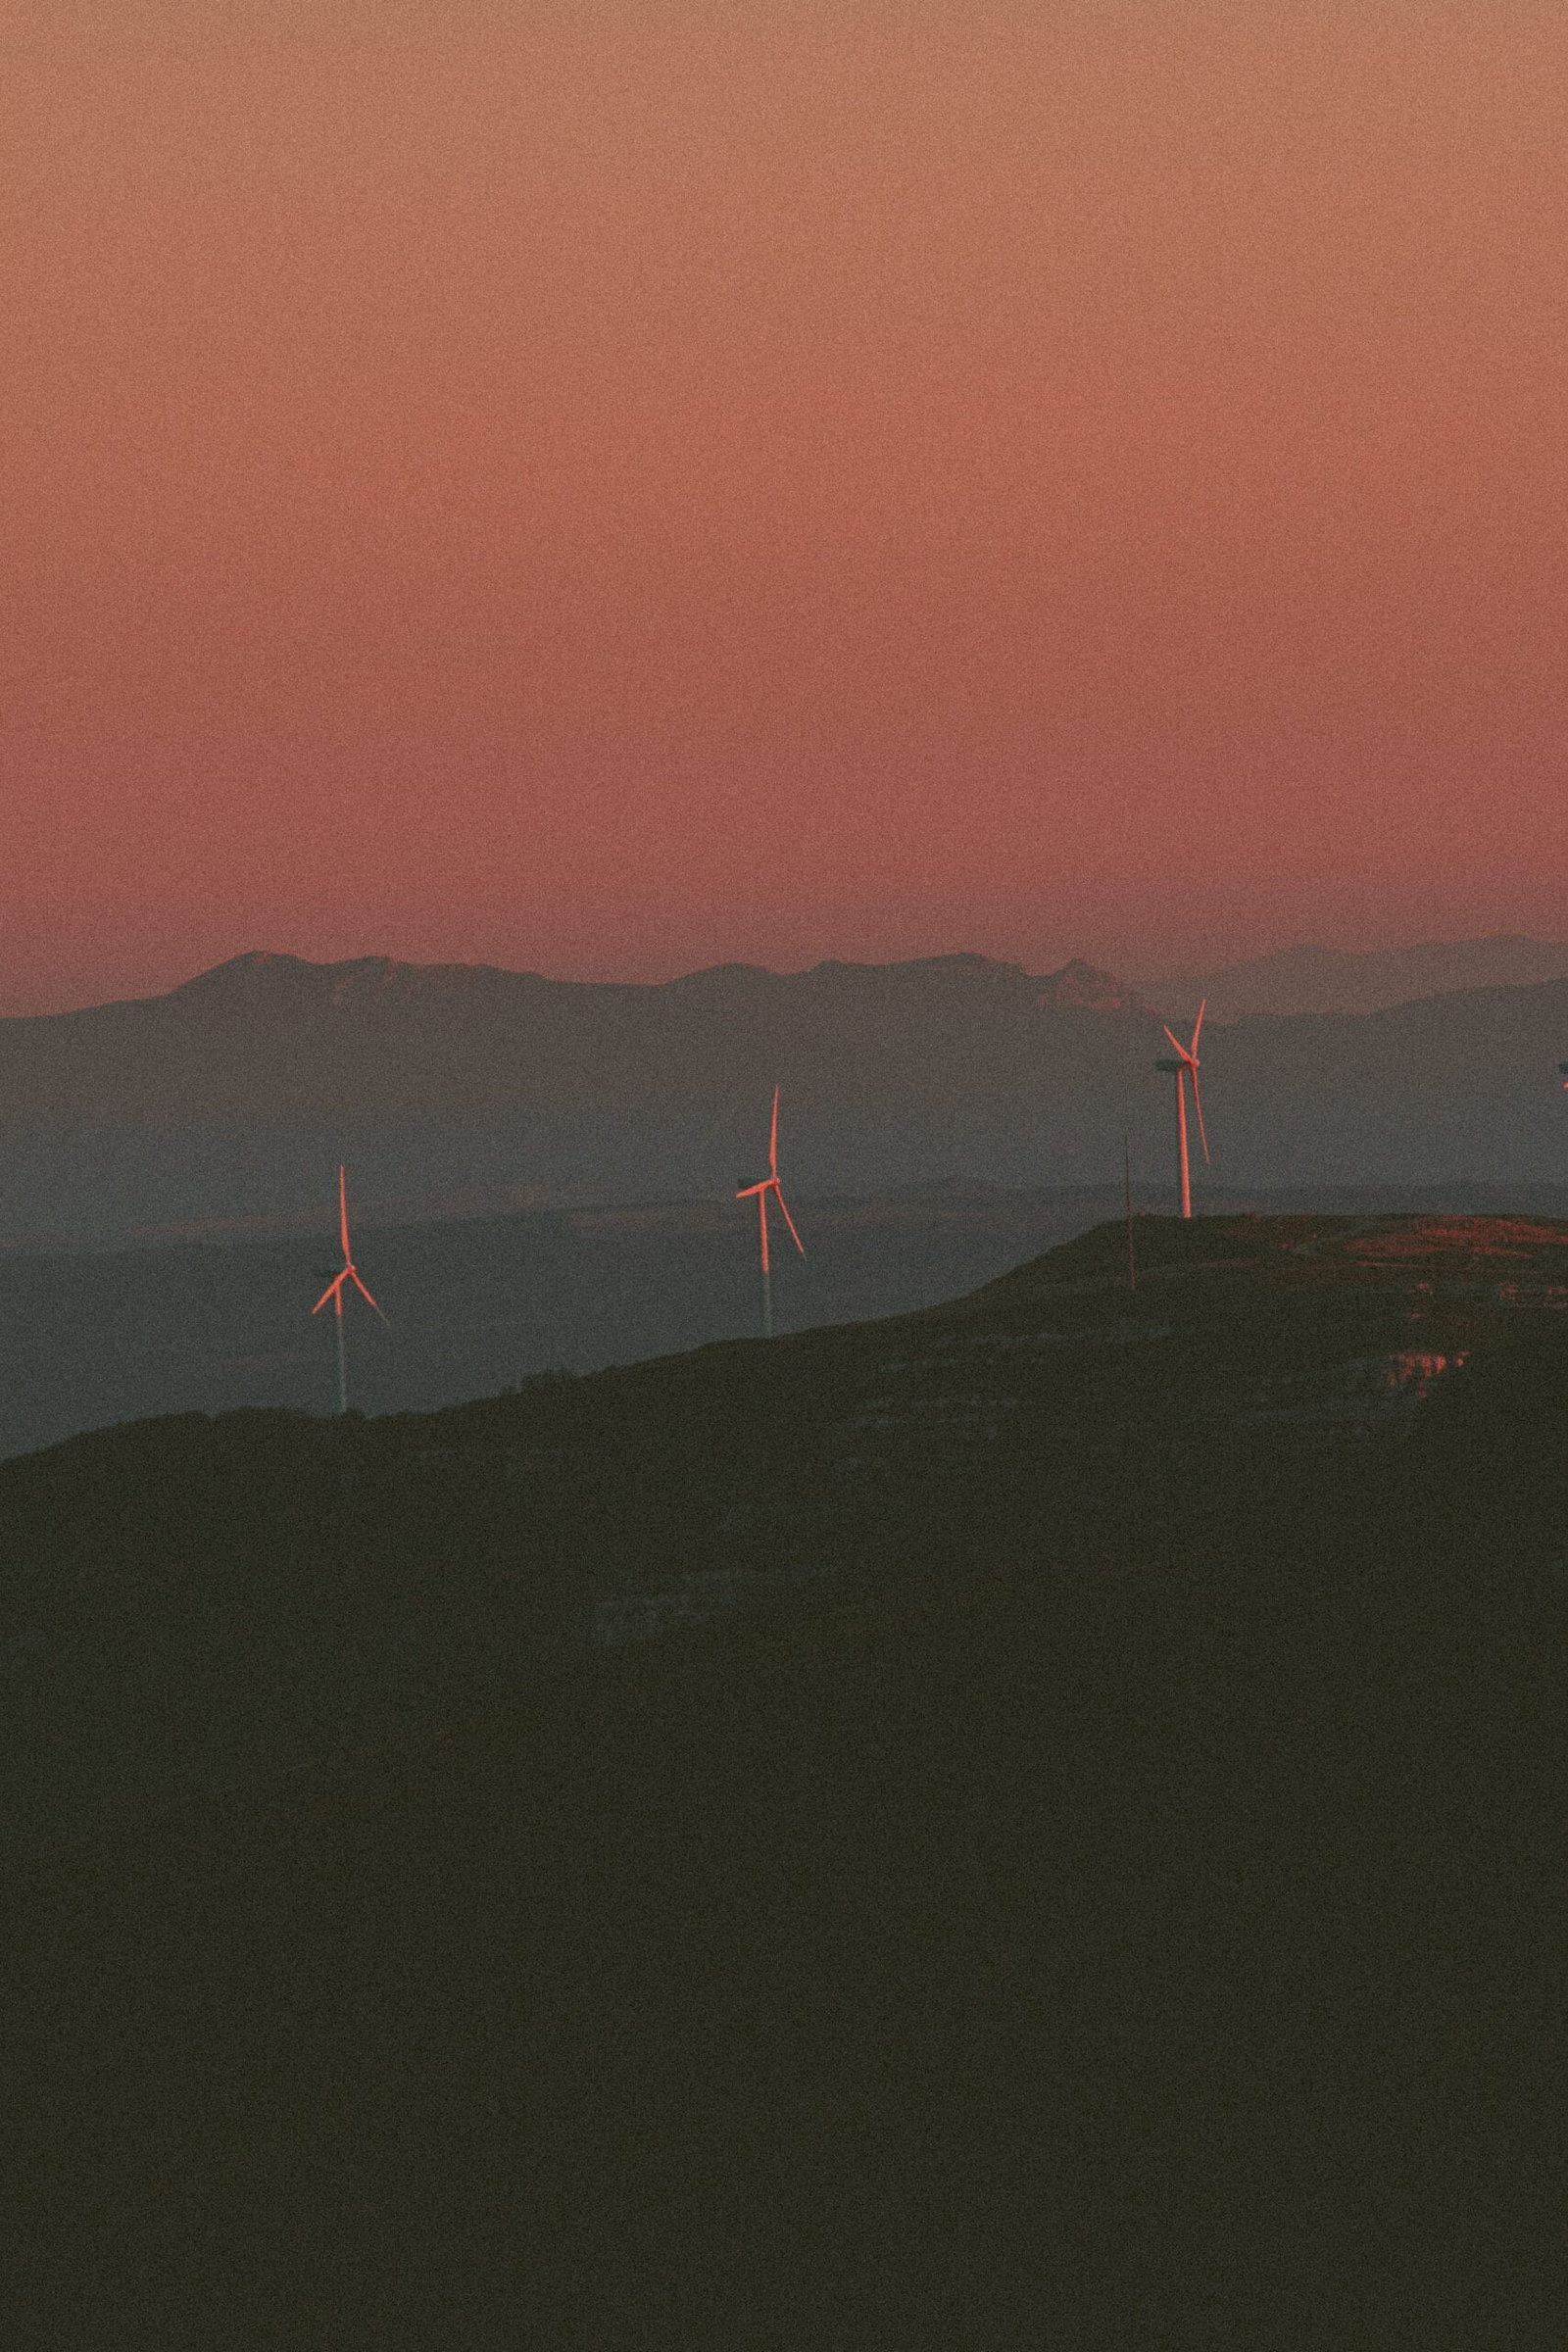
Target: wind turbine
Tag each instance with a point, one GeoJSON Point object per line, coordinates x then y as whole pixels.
{"type": "Point", "coordinates": [334, 1290]}
{"type": "Point", "coordinates": [1186, 1060]}
{"type": "Point", "coordinates": [769, 1183]}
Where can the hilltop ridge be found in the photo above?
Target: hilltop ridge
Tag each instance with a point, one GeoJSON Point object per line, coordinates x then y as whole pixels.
{"type": "Point", "coordinates": [1153, 1814]}
{"type": "Point", "coordinates": [322, 1582]}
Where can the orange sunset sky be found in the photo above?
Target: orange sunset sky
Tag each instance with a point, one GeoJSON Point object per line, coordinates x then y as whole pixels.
{"type": "Point", "coordinates": [610, 488]}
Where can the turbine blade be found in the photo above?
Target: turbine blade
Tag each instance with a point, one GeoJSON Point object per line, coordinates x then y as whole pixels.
{"type": "Point", "coordinates": [1196, 1025]}
{"type": "Point", "coordinates": [788, 1220]}
{"type": "Point", "coordinates": [1176, 1041]}
{"type": "Point", "coordinates": [745, 1190]}
{"type": "Point", "coordinates": [343, 1215]}
{"type": "Point", "coordinates": [354, 1277]}
{"type": "Point", "coordinates": [1198, 1105]}
{"type": "Point", "coordinates": [326, 1295]}
{"type": "Point", "coordinates": [772, 1139]}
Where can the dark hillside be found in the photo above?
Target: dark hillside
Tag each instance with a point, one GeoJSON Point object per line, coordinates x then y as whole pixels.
{"type": "Point", "coordinates": [194, 1602]}
{"type": "Point", "coordinates": [1121, 1907]}
{"type": "Point", "coordinates": [477, 1303]}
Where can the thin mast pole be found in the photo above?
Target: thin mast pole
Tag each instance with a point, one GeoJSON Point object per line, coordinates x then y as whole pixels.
{"type": "Point", "coordinates": [1181, 1138]}
{"type": "Point", "coordinates": [342, 1361]}
{"type": "Point", "coordinates": [768, 1279]}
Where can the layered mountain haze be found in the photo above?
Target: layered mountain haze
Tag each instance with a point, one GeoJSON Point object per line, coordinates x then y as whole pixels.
{"type": "Point", "coordinates": [227, 1104]}
{"type": "Point", "coordinates": [1442, 1090]}
{"type": "Point", "coordinates": [1314, 979]}
{"type": "Point", "coordinates": [226, 1099]}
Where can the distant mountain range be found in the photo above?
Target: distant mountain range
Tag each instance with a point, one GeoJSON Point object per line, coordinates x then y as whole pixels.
{"type": "Point", "coordinates": [227, 1104]}
{"type": "Point", "coordinates": [1313, 979]}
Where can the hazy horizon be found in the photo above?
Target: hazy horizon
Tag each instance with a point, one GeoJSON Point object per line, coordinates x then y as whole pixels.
{"type": "Point", "coordinates": [163, 975]}
{"type": "Point", "coordinates": [617, 491]}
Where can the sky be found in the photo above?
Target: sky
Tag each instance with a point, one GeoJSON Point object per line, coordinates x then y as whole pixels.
{"type": "Point", "coordinates": [610, 488]}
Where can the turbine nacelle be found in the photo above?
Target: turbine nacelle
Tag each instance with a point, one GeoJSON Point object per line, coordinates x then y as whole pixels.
{"type": "Point", "coordinates": [1186, 1065]}
{"type": "Point", "coordinates": [759, 1193]}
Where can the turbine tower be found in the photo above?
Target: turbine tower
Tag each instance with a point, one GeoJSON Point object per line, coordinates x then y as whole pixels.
{"type": "Point", "coordinates": [1186, 1060]}
{"type": "Point", "coordinates": [769, 1183]}
{"type": "Point", "coordinates": [334, 1290]}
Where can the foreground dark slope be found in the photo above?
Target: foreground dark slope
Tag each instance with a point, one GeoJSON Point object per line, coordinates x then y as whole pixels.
{"type": "Point", "coordinates": [477, 1303]}
{"type": "Point", "coordinates": [194, 1602]}
{"type": "Point", "coordinates": [1120, 1910]}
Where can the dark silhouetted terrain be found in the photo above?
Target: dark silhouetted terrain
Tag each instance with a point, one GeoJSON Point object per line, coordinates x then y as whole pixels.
{"type": "Point", "coordinates": [477, 1303]}
{"type": "Point", "coordinates": [192, 1601]}
{"type": "Point", "coordinates": [1104, 1889]}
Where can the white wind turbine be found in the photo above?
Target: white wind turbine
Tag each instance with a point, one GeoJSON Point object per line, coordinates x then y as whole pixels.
{"type": "Point", "coordinates": [769, 1183]}
{"type": "Point", "coordinates": [1186, 1060]}
{"type": "Point", "coordinates": [334, 1290]}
